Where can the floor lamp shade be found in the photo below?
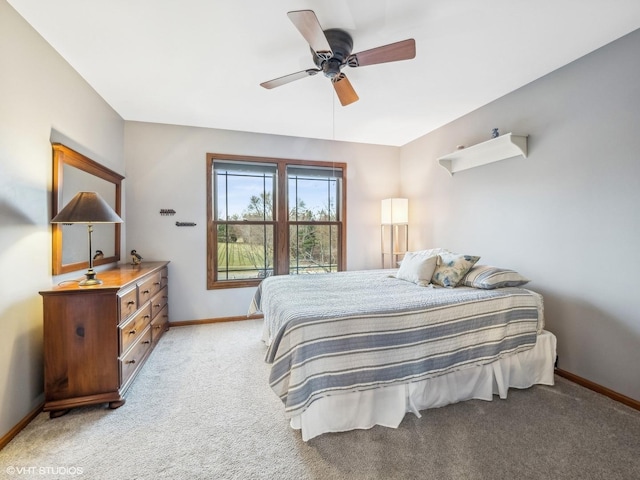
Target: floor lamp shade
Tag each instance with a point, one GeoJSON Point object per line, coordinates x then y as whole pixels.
{"type": "Point", "coordinates": [394, 230]}
{"type": "Point", "coordinates": [395, 211]}
{"type": "Point", "coordinates": [89, 208]}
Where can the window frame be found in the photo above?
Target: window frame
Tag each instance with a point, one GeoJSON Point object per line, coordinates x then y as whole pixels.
{"type": "Point", "coordinates": [281, 222]}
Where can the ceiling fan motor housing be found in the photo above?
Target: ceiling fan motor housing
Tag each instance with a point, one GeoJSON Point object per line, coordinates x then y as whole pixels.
{"type": "Point", "coordinates": [341, 45]}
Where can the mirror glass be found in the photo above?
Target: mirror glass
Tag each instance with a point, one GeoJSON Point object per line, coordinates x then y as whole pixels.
{"type": "Point", "coordinates": [73, 172]}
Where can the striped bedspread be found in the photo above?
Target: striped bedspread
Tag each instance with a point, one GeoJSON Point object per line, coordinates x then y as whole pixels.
{"type": "Point", "coordinates": [352, 331]}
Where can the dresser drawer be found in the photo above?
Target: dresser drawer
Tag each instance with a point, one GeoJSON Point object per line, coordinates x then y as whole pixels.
{"type": "Point", "coordinates": [135, 356]}
{"type": "Point", "coordinates": [128, 303]}
{"type": "Point", "coordinates": [148, 288]}
{"type": "Point", "coordinates": [158, 301]}
{"type": "Point", "coordinates": [132, 330]}
{"type": "Point", "coordinates": [159, 324]}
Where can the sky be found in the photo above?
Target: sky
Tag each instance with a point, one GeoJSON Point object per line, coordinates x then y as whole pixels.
{"type": "Point", "coordinates": [241, 188]}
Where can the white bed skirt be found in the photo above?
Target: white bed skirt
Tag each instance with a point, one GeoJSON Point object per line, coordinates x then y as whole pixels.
{"type": "Point", "coordinates": [387, 406]}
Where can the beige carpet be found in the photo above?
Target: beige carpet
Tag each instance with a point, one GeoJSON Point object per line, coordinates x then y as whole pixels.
{"type": "Point", "coordinates": [201, 408]}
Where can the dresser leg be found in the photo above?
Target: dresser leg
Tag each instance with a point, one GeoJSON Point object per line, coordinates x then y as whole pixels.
{"type": "Point", "coordinates": [116, 404]}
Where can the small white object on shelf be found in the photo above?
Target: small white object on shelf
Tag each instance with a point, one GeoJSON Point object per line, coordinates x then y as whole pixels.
{"type": "Point", "coordinates": [505, 146]}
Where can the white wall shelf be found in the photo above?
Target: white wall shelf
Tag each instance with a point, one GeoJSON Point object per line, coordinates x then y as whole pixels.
{"type": "Point", "coordinates": [499, 148]}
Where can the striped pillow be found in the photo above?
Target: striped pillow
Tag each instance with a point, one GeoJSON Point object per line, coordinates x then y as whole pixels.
{"type": "Point", "coordinates": [487, 277]}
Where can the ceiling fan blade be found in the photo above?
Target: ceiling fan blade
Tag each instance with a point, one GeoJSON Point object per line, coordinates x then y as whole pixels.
{"type": "Point", "coordinates": [403, 50]}
{"type": "Point", "coordinates": [344, 89]}
{"type": "Point", "coordinates": [276, 82]}
{"type": "Point", "coordinates": [308, 25]}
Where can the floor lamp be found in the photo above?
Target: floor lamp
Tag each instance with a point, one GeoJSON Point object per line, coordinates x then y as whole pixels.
{"type": "Point", "coordinates": [89, 208]}
{"type": "Point", "coordinates": [394, 230]}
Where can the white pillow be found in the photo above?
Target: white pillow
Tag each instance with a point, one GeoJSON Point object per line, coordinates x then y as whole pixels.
{"type": "Point", "coordinates": [417, 268]}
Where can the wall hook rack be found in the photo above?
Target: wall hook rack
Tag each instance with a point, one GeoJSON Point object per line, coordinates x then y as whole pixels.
{"type": "Point", "coordinates": [185, 224]}
{"type": "Point", "coordinates": [167, 211]}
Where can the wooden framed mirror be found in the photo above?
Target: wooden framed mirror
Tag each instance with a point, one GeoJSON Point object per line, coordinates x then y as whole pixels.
{"type": "Point", "coordinates": [72, 173]}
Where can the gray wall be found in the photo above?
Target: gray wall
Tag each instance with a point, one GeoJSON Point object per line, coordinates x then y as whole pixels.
{"type": "Point", "coordinates": [567, 216]}
{"type": "Point", "coordinates": [166, 166]}
{"type": "Point", "coordinates": [42, 99]}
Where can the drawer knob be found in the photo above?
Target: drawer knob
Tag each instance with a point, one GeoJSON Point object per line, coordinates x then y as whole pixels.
{"type": "Point", "coordinates": [145, 292]}
{"type": "Point", "coordinates": [146, 342]}
{"type": "Point", "coordinates": [132, 332]}
{"type": "Point", "coordinates": [131, 361]}
{"type": "Point", "coordinates": [156, 283]}
{"type": "Point", "coordinates": [146, 316]}
{"type": "Point", "coordinates": [131, 302]}
{"type": "Point", "coordinates": [157, 305]}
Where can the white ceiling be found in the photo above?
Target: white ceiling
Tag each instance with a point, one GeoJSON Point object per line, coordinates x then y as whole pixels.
{"type": "Point", "coordinates": [200, 62]}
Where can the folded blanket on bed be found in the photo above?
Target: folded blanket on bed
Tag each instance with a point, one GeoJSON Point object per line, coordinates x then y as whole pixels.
{"type": "Point", "coordinates": [353, 331]}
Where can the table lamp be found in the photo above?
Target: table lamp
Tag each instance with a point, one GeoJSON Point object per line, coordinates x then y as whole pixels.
{"type": "Point", "coordinates": [89, 208]}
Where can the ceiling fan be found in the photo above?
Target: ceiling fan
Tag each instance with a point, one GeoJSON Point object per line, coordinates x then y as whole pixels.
{"type": "Point", "coordinates": [331, 51]}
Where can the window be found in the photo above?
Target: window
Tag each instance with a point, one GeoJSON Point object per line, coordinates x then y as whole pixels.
{"type": "Point", "coordinates": [270, 216]}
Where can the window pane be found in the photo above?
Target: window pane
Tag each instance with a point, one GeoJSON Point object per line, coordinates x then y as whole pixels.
{"type": "Point", "coordinates": [313, 249]}
{"type": "Point", "coordinates": [243, 193]}
{"type": "Point", "coordinates": [256, 202]}
{"type": "Point", "coordinates": [312, 198]}
{"type": "Point", "coordinates": [245, 251]}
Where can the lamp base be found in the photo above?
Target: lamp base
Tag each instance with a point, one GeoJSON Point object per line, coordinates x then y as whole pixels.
{"type": "Point", "coordinates": [91, 279]}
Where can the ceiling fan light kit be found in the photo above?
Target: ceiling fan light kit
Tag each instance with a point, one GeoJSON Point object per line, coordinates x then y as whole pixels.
{"type": "Point", "coordinates": [331, 51]}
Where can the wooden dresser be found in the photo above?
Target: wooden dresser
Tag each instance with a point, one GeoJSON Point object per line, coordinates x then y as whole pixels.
{"type": "Point", "coordinates": [97, 338]}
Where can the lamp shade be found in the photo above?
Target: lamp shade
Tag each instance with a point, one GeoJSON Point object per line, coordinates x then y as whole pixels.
{"type": "Point", "coordinates": [87, 207]}
{"type": "Point", "coordinates": [395, 211]}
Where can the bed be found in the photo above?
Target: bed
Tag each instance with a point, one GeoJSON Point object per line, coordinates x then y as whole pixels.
{"type": "Point", "coordinates": [351, 350]}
